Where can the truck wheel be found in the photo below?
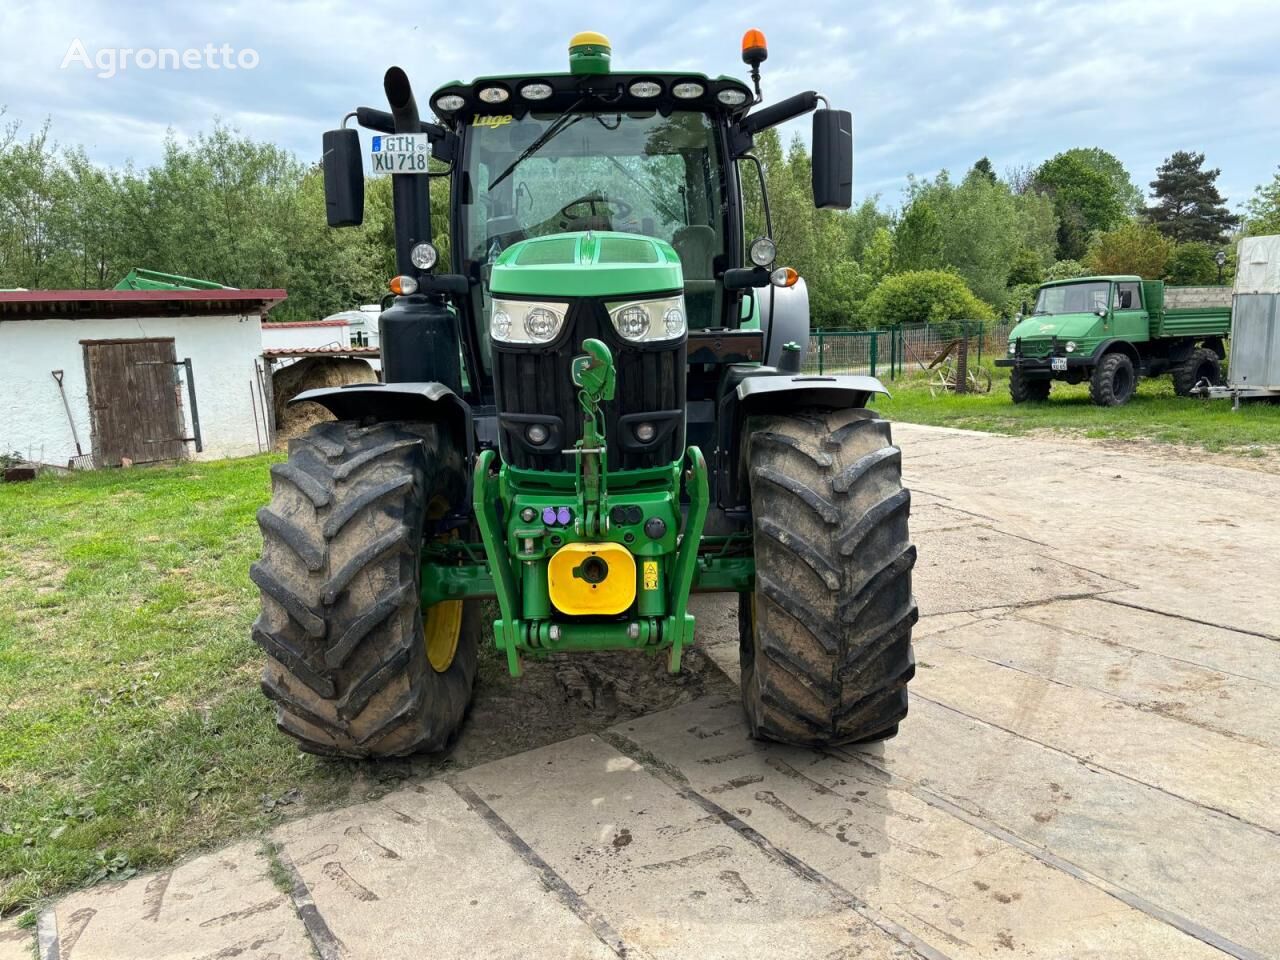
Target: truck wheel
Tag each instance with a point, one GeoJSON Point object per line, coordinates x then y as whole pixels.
{"type": "Point", "coordinates": [1114, 381]}
{"type": "Point", "coordinates": [826, 635]}
{"type": "Point", "coordinates": [1022, 389]}
{"type": "Point", "coordinates": [1203, 364]}
{"type": "Point", "coordinates": [355, 666]}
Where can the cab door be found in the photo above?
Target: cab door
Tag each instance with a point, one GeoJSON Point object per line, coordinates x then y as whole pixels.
{"type": "Point", "coordinates": [1128, 317]}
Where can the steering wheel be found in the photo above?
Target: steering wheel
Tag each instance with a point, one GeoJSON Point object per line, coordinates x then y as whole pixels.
{"type": "Point", "coordinates": [594, 205]}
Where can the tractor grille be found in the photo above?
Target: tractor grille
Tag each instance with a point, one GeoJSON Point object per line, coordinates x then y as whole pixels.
{"type": "Point", "coordinates": [534, 382]}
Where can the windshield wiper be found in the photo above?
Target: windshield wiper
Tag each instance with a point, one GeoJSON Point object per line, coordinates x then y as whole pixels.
{"type": "Point", "coordinates": [559, 124]}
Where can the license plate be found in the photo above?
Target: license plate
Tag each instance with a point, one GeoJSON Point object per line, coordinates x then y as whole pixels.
{"type": "Point", "coordinates": [400, 153]}
{"type": "Point", "coordinates": [1058, 363]}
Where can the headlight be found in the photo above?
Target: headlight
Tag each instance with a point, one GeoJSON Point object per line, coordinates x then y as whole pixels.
{"type": "Point", "coordinates": [424, 256]}
{"type": "Point", "coordinates": [644, 320]}
{"type": "Point", "coordinates": [526, 321]}
{"type": "Point", "coordinates": [689, 90]}
{"type": "Point", "coordinates": [1013, 347]}
{"type": "Point", "coordinates": [1071, 346]}
{"type": "Point", "coordinates": [763, 251]}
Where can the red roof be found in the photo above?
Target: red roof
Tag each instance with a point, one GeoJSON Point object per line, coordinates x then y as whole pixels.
{"type": "Point", "coordinates": [332, 349]}
{"type": "Point", "coordinates": [34, 304]}
{"type": "Point", "coordinates": [274, 325]}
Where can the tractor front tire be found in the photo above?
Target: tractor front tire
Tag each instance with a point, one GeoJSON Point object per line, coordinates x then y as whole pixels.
{"type": "Point", "coordinates": [1022, 389]}
{"type": "Point", "coordinates": [826, 635]}
{"type": "Point", "coordinates": [1114, 381]}
{"type": "Point", "coordinates": [355, 666]}
{"type": "Point", "coordinates": [1203, 364]}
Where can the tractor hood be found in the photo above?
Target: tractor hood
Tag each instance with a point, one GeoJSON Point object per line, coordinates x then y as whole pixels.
{"type": "Point", "coordinates": [592, 263]}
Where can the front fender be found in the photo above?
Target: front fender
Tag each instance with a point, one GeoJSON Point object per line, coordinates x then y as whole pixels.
{"type": "Point", "coordinates": [426, 402]}
{"type": "Point", "coordinates": [772, 392]}
{"type": "Point", "coordinates": [782, 394]}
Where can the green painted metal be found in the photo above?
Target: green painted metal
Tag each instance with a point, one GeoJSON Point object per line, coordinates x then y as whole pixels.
{"type": "Point", "coordinates": [596, 380]}
{"type": "Point", "coordinates": [590, 263]}
{"type": "Point", "coordinates": [679, 623]}
{"type": "Point", "coordinates": [724, 574]}
{"type": "Point", "coordinates": [1150, 321]}
{"type": "Point", "coordinates": [140, 279]}
{"type": "Point", "coordinates": [486, 492]}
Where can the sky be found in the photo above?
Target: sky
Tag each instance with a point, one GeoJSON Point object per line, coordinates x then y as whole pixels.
{"type": "Point", "coordinates": [933, 84]}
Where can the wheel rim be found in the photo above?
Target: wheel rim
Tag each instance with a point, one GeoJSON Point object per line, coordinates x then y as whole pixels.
{"type": "Point", "coordinates": [1123, 383]}
{"type": "Point", "coordinates": [441, 622]}
{"type": "Point", "coordinates": [441, 628]}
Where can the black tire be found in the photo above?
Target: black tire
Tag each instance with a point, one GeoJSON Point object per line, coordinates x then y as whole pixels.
{"type": "Point", "coordinates": [1203, 364]}
{"type": "Point", "coordinates": [1114, 381]}
{"type": "Point", "coordinates": [341, 620]}
{"type": "Point", "coordinates": [826, 636]}
{"type": "Point", "coordinates": [1023, 389]}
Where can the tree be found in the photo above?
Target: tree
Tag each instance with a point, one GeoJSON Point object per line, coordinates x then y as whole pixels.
{"type": "Point", "coordinates": [1193, 265]}
{"type": "Point", "coordinates": [933, 296]}
{"type": "Point", "coordinates": [983, 168]}
{"type": "Point", "coordinates": [1065, 270]}
{"type": "Point", "coordinates": [1027, 268]}
{"type": "Point", "coordinates": [1086, 198]}
{"type": "Point", "coordinates": [917, 242]}
{"type": "Point", "coordinates": [1131, 248]}
{"type": "Point", "coordinates": [1264, 209]}
{"type": "Point", "coordinates": [1107, 164]}
{"type": "Point", "coordinates": [1188, 205]}
{"type": "Point", "coordinates": [980, 227]}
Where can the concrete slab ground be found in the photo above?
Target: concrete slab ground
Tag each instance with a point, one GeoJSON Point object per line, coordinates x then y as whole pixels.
{"type": "Point", "coordinates": [1088, 770]}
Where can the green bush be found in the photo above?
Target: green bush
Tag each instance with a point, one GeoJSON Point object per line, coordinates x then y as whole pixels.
{"type": "Point", "coordinates": [932, 296]}
{"type": "Point", "coordinates": [1192, 265]}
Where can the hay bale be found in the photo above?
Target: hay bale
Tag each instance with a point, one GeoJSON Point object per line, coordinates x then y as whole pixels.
{"type": "Point", "coordinates": [312, 373]}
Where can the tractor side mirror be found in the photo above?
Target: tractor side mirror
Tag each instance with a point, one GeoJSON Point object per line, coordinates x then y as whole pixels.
{"type": "Point", "coordinates": [343, 178]}
{"type": "Point", "coordinates": [832, 159]}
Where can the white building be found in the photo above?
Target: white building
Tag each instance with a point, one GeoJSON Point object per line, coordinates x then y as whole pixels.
{"type": "Point", "coordinates": [332, 334]}
{"type": "Point", "coordinates": [147, 375]}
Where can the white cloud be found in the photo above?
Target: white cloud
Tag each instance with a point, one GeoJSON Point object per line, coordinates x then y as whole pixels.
{"type": "Point", "coordinates": [933, 83]}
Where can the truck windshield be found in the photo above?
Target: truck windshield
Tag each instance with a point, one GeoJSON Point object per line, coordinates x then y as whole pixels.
{"type": "Point", "coordinates": [1073, 298]}
{"type": "Point", "coordinates": [635, 172]}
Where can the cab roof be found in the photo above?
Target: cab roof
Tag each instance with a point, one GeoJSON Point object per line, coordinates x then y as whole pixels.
{"type": "Point", "coordinates": [611, 91]}
{"type": "Point", "coordinates": [1108, 278]}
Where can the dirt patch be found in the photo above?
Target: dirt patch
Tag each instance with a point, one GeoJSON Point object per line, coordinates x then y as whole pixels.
{"type": "Point", "coordinates": [311, 373]}
{"type": "Point", "coordinates": [555, 700]}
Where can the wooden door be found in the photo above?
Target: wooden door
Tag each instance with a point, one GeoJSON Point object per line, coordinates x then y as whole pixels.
{"type": "Point", "coordinates": [134, 406]}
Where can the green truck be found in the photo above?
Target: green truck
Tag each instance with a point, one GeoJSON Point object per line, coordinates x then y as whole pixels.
{"type": "Point", "coordinates": [1111, 331]}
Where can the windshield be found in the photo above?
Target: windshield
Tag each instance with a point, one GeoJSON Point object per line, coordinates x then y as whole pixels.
{"type": "Point", "coordinates": [635, 172]}
{"type": "Point", "coordinates": [1073, 298]}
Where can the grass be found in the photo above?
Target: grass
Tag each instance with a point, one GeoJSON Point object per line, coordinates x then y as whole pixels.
{"type": "Point", "coordinates": [133, 731]}
{"type": "Point", "coordinates": [1154, 414]}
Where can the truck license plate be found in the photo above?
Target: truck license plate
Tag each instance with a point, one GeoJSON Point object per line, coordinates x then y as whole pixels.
{"type": "Point", "coordinates": [1058, 363]}
{"type": "Point", "coordinates": [400, 153]}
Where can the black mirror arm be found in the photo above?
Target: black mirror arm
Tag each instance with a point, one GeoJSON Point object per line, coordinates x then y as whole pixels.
{"type": "Point", "coordinates": [744, 278]}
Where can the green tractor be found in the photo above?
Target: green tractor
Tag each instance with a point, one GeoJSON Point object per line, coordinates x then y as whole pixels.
{"type": "Point", "coordinates": [597, 411]}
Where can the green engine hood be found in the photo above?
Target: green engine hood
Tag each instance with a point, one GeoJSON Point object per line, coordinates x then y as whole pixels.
{"type": "Point", "coordinates": [594, 263]}
{"type": "Point", "coordinates": [1064, 326]}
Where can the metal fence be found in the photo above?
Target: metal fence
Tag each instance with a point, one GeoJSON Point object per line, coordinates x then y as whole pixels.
{"type": "Point", "coordinates": [901, 350]}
